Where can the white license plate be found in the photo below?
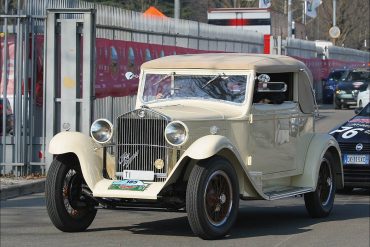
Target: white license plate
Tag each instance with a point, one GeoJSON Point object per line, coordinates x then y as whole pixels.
{"type": "Point", "coordinates": [135, 174]}
{"type": "Point", "coordinates": [356, 159]}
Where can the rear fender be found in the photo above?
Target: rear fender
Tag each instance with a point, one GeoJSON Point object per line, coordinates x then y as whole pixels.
{"type": "Point", "coordinates": [320, 144]}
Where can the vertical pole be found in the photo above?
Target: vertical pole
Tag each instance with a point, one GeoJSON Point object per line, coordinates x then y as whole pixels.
{"type": "Point", "coordinates": [334, 12]}
{"type": "Point", "coordinates": [289, 18]}
{"type": "Point", "coordinates": [88, 70]}
{"type": "Point", "coordinates": [32, 90]}
{"type": "Point", "coordinates": [18, 92]}
{"type": "Point", "coordinates": [334, 16]}
{"type": "Point", "coordinates": [25, 128]}
{"type": "Point", "coordinates": [50, 79]}
{"type": "Point", "coordinates": [177, 9]}
{"type": "Point", "coordinates": [5, 82]}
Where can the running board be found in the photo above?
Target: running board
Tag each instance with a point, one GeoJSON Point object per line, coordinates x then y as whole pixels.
{"type": "Point", "coordinates": [287, 192]}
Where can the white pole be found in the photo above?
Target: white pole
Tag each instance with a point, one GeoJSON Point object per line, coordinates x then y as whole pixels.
{"type": "Point", "coordinates": [334, 12]}
{"type": "Point", "coordinates": [177, 9]}
{"type": "Point", "coordinates": [289, 18]}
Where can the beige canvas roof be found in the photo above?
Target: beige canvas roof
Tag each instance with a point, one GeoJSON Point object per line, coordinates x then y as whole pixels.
{"type": "Point", "coordinates": [236, 61]}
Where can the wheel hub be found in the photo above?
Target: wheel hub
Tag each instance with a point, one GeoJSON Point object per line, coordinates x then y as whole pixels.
{"type": "Point", "coordinates": [222, 198]}
{"type": "Point", "coordinates": [328, 181]}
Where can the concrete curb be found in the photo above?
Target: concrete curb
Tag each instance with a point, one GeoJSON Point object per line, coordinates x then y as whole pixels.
{"type": "Point", "coordinates": [22, 189]}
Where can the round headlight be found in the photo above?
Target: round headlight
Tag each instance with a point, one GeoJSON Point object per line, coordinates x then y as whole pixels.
{"type": "Point", "coordinates": [176, 133]}
{"type": "Point", "coordinates": [101, 131]}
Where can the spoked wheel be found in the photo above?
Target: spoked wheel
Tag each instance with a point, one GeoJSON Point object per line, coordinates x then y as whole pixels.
{"type": "Point", "coordinates": [67, 207]}
{"type": "Point", "coordinates": [212, 198]}
{"type": "Point", "coordinates": [218, 198]}
{"type": "Point", "coordinates": [320, 202]}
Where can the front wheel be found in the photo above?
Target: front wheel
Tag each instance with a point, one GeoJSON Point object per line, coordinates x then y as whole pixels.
{"type": "Point", "coordinates": [212, 198]}
{"type": "Point", "coordinates": [320, 202]}
{"type": "Point", "coordinates": [68, 209]}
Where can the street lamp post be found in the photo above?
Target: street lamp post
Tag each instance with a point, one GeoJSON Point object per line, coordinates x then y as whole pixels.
{"type": "Point", "coordinates": [177, 9]}
{"type": "Point", "coordinates": [289, 18]}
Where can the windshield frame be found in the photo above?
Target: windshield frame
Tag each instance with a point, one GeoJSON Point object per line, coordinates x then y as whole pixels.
{"type": "Point", "coordinates": [208, 72]}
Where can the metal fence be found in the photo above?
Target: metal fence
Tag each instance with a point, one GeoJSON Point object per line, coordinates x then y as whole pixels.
{"type": "Point", "coordinates": [22, 118]}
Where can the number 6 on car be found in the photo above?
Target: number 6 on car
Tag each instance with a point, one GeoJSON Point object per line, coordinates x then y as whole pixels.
{"type": "Point", "coordinates": [231, 127]}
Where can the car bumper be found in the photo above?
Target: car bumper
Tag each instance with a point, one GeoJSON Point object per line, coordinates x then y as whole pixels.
{"type": "Point", "coordinates": [345, 99]}
{"type": "Point", "coordinates": [356, 176]}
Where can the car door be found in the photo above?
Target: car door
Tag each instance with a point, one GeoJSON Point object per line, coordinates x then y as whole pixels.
{"type": "Point", "coordinates": [274, 136]}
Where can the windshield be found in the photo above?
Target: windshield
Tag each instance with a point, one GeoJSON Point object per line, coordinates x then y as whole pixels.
{"type": "Point", "coordinates": [358, 76]}
{"type": "Point", "coordinates": [171, 86]}
{"type": "Point", "coordinates": [337, 75]}
{"type": "Point", "coordinates": [366, 111]}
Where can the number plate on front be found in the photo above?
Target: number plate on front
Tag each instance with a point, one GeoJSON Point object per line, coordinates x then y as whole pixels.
{"type": "Point", "coordinates": [356, 159]}
{"type": "Point", "coordinates": [135, 174]}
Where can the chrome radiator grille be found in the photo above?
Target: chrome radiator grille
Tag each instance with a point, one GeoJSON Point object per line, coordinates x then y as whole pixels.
{"type": "Point", "coordinates": [140, 142]}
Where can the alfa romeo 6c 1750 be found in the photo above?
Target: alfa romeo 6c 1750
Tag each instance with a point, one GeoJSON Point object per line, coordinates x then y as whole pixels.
{"type": "Point", "coordinates": [208, 131]}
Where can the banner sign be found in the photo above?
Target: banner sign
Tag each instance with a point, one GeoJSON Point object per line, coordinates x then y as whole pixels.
{"type": "Point", "coordinates": [115, 57]}
{"type": "Point", "coordinates": [9, 68]}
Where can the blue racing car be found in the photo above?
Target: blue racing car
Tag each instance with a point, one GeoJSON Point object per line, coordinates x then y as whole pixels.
{"type": "Point", "coordinates": [354, 140]}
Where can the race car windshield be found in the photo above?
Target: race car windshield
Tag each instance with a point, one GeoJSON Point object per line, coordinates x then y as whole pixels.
{"type": "Point", "coordinates": [230, 88]}
{"type": "Point", "coordinates": [366, 111]}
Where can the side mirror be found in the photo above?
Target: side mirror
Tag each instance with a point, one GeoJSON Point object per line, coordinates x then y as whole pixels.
{"type": "Point", "coordinates": [272, 87]}
{"type": "Point", "coordinates": [129, 75]}
{"type": "Point", "coordinates": [357, 110]}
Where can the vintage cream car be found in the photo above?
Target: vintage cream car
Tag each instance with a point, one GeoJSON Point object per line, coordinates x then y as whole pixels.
{"type": "Point", "coordinates": [208, 130]}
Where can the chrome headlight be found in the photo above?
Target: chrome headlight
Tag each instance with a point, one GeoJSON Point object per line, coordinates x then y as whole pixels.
{"type": "Point", "coordinates": [176, 133]}
{"type": "Point", "coordinates": [101, 131]}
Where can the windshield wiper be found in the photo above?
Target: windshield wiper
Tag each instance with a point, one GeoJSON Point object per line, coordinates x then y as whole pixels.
{"type": "Point", "coordinates": [164, 78]}
{"type": "Point", "coordinates": [223, 76]}
{"type": "Point", "coordinates": [212, 80]}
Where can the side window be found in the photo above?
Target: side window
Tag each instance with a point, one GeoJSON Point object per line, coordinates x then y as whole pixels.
{"type": "Point", "coordinates": [275, 97]}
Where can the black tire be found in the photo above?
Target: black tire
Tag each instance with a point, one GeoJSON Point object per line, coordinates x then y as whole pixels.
{"type": "Point", "coordinates": [66, 206]}
{"type": "Point", "coordinates": [320, 202]}
{"type": "Point", "coordinates": [212, 208]}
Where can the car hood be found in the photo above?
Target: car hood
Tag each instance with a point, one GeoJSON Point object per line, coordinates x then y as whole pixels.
{"type": "Point", "coordinates": [357, 129]}
{"type": "Point", "coordinates": [184, 112]}
{"type": "Point", "coordinates": [356, 85]}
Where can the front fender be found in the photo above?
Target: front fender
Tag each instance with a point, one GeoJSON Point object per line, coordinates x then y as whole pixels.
{"type": "Point", "coordinates": [208, 146]}
{"type": "Point", "coordinates": [319, 145]}
{"type": "Point", "coordinates": [88, 152]}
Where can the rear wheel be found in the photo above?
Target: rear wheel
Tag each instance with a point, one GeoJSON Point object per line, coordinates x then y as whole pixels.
{"type": "Point", "coordinates": [212, 198]}
{"type": "Point", "coordinates": [320, 202]}
{"type": "Point", "coordinates": [68, 209]}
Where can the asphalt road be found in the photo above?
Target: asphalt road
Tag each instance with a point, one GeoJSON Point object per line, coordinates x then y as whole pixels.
{"type": "Point", "coordinates": [24, 221]}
